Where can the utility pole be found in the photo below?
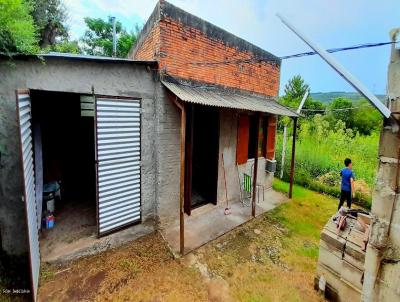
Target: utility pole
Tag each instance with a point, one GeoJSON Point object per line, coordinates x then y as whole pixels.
{"type": "Point", "coordinates": [114, 37]}
{"type": "Point", "coordinates": [305, 96]}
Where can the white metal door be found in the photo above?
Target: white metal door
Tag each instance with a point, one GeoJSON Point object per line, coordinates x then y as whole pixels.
{"type": "Point", "coordinates": [118, 163]}
{"type": "Point", "coordinates": [24, 118]}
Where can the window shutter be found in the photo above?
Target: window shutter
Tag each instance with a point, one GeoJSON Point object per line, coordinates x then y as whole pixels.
{"type": "Point", "coordinates": [271, 134]}
{"type": "Point", "coordinates": [242, 140]}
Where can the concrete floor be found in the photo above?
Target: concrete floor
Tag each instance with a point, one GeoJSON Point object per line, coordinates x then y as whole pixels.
{"type": "Point", "coordinates": [74, 234]}
{"type": "Point", "coordinates": [209, 222]}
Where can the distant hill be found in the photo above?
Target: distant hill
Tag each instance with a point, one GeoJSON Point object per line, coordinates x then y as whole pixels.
{"type": "Point", "coordinates": [327, 97]}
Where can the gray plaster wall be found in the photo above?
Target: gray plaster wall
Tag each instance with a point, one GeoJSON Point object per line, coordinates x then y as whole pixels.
{"type": "Point", "coordinates": [168, 142]}
{"type": "Point", "coordinates": [67, 75]}
{"type": "Point", "coordinates": [227, 146]}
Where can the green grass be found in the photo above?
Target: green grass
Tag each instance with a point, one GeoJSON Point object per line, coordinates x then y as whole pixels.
{"type": "Point", "coordinates": [304, 216]}
{"type": "Point", "coordinates": [319, 158]}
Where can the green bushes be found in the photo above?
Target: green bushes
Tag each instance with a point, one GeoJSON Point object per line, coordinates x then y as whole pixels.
{"type": "Point", "coordinates": [320, 151]}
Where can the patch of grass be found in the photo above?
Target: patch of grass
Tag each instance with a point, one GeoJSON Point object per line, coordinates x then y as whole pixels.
{"type": "Point", "coordinates": [142, 270]}
{"type": "Point", "coordinates": [130, 266]}
{"type": "Point", "coordinates": [46, 273]}
{"type": "Point", "coordinates": [273, 257]}
{"type": "Point", "coordinates": [304, 216]}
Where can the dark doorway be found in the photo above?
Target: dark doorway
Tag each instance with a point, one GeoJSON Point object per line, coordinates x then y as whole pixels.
{"type": "Point", "coordinates": [67, 148]}
{"type": "Point", "coordinates": [202, 156]}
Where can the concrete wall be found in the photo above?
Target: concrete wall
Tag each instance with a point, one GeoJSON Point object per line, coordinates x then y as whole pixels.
{"type": "Point", "coordinates": [168, 142]}
{"type": "Point", "coordinates": [66, 75]}
{"type": "Point", "coordinates": [382, 260]}
{"type": "Point", "coordinates": [227, 146]}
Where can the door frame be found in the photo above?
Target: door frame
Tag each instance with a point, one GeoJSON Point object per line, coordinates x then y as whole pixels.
{"type": "Point", "coordinates": [190, 118]}
{"type": "Point", "coordinates": [34, 289]}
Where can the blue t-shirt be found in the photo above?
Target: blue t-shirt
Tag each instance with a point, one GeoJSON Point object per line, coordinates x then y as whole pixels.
{"type": "Point", "coordinates": [346, 174]}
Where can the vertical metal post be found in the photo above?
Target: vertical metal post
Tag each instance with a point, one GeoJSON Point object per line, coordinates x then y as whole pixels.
{"type": "Point", "coordinates": [114, 37]}
{"type": "Point", "coordinates": [303, 100]}
{"type": "Point", "coordinates": [253, 201]}
{"type": "Point", "coordinates": [283, 150]}
{"type": "Point", "coordinates": [293, 158]}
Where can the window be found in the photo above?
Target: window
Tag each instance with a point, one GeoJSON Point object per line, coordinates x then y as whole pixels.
{"type": "Point", "coordinates": [247, 138]}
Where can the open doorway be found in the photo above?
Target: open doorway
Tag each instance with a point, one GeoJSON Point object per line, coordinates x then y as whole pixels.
{"type": "Point", "coordinates": [202, 163]}
{"type": "Point", "coordinates": [65, 140]}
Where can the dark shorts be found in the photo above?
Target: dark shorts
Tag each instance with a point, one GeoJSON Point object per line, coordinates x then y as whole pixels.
{"type": "Point", "coordinates": [345, 196]}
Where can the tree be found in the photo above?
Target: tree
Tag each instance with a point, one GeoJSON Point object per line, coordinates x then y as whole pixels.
{"type": "Point", "coordinates": [294, 91]}
{"type": "Point", "coordinates": [49, 17]}
{"type": "Point", "coordinates": [341, 109]}
{"type": "Point", "coordinates": [366, 118]}
{"type": "Point", "coordinates": [316, 107]}
{"type": "Point", "coordinates": [17, 29]}
{"type": "Point", "coordinates": [66, 46]}
{"type": "Point", "coordinates": [98, 38]}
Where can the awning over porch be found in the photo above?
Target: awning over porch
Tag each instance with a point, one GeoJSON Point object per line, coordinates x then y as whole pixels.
{"type": "Point", "coordinates": [217, 97]}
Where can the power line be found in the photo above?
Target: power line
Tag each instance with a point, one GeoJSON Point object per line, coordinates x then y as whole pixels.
{"type": "Point", "coordinates": [338, 109]}
{"type": "Point", "coordinates": [332, 50]}
{"type": "Point", "coordinates": [303, 54]}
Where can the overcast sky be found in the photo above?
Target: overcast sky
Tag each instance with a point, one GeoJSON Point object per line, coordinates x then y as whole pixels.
{"type": "Point", "coordinates": [331, 23]}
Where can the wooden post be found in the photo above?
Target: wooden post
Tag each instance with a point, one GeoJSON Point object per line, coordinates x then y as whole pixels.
{"type": "Point", "coordinates": [182, 177]}
{"type": "Point", "coordinates": [283, 151]}
{"type": "Point", "coordinates": [293, 157]}
{"type": "Point", "coordinates": [253, 201]}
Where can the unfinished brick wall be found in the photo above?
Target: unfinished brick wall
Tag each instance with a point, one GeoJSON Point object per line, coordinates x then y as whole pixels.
{"type": "Point", "coordinates": [183, 51]}
{"type": "Point", "coordinates": [150, 48]}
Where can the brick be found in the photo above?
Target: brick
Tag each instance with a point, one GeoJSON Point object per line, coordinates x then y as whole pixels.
{"type": "Point", "coordinates": [183, 45]}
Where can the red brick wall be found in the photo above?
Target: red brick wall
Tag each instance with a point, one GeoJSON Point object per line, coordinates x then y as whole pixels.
{"type": "Point", "coordinates": [150, 48]}
{"type": "Point", "coordinates": [178, 46]}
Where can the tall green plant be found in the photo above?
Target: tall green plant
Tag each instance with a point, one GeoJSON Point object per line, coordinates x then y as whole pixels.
{"type": "Point", "coordinates": [17, 29]}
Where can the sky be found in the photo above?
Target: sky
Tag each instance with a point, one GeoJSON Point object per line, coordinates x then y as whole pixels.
{"type": "Point", "coordinates": [330, 23]}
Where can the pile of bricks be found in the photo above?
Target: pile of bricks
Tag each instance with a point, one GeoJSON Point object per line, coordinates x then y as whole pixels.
{"type": "Point", "coordinates": [341, 262]}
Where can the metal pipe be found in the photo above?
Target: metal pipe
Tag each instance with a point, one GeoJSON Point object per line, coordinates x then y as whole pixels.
{"type": "Point", "coordinates": [351, 79]}
{"type": "Point", "coordinates": [293, 158]}
{"type": "Point", "coordinates": [114, 37]}
{"type": "Point", "coordinates": [182, 177]}
{"type": "Point", "coordinates": [283, 150]}
{"type": "Point", "coordinates": [253, 201]}
{"type": "Point", "coordinates": [303, 100]}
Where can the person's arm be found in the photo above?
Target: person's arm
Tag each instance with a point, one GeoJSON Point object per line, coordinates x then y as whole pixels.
{"type": "Point", "coordinates": [353, 189]}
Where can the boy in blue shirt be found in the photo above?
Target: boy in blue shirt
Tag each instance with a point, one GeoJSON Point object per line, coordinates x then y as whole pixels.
{"type": "Point", "coordinates": [347, 186]}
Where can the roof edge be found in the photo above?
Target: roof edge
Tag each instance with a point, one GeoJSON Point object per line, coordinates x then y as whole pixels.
{"type": "Point", "coordinates": [73, 57]}
{"type": "Point", "coordinates": [205, 85]}
{"type": "Point", "coordinates": [168, 81]}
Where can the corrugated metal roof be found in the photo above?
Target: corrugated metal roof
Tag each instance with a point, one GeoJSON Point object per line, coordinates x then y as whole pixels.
{"type": "Point", "coordinates": [80, 57]}
{"type": "Point", "coordinates": [218, 97]}
{"type": "Point", "coordinates": [91, 57]}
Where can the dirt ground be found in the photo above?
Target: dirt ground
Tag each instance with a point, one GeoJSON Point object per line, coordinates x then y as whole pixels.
{"type": "Point", "coordinates": [271, 258]}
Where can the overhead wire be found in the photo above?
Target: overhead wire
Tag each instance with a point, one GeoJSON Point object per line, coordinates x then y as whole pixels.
{"type": "Point", "coordinates": [298, 55]}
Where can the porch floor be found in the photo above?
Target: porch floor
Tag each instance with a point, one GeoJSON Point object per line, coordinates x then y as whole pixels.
{"type": "Point", "coordinates": [209, 222]}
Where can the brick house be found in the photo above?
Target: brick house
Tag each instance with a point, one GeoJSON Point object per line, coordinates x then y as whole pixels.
{"type": "Point", "coordinates": [166, 139]}
{"type": "Point", "coordinates": [220, 80]}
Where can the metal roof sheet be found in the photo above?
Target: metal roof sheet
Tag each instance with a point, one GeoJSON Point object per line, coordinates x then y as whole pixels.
{"type": "Point", "coordinates": [217, 97]}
